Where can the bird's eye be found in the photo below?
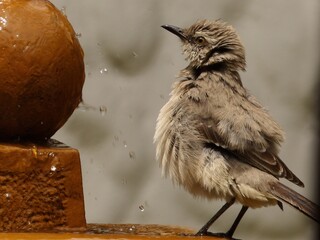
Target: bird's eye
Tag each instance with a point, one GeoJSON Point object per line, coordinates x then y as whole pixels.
{"type": "Point", "coordinates": [200, 40]}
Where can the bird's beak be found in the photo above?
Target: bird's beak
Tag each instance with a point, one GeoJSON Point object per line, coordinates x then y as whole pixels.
{"type": "Point", "coordinates": [175, 30]}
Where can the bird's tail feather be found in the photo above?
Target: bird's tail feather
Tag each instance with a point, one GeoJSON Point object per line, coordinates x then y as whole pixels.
{"type": "Point", "coordinates": [304, 205]}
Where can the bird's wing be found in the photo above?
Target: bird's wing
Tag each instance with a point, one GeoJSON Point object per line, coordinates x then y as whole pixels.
{"type": "Point", "coordinates": [251, 136]}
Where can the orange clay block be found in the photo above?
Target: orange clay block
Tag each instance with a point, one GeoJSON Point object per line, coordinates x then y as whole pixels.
{"type": "Point", "coordinates": [40, 187]}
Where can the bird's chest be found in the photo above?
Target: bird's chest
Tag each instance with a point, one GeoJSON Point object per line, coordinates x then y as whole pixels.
{"type": "Point", "coordinates": [195, 95]}
{"type": "Point", "coordinates": [181, 151]}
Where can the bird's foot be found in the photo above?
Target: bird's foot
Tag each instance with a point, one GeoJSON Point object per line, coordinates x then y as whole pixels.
{"type": "Point", "coordinates": [220, 235]}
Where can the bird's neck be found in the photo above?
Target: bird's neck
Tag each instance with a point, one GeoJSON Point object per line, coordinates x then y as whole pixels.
{"type": "Point", "coordinates": [222, 69]}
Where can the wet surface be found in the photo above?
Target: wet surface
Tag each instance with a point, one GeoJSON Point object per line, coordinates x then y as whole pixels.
{"type": "Point", "coordinates": [41, 58]}
{"type": "Point", "coordinates": [40, 187]}
{"type": "Point", "coordinates": [113, 231]}
{"type": "Point", "coordinates": [137, 229]}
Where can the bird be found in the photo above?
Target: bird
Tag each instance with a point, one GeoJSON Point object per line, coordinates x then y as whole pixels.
{"type": "Point", "coordinates": [214, 138]}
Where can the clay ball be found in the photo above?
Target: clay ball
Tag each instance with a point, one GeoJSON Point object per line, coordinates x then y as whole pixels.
{"type": "Point", "coordinates": [41, 69]}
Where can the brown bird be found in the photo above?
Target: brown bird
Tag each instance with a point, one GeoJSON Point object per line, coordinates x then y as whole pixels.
{"type": "Point", "coordinates": [214, 138]}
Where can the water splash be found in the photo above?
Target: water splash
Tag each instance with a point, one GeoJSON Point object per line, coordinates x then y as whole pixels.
{"type": "Point", "coordinates": [3, 23]}
{"type": "Point", "coordinates": [53, 168]}
{"type": "Point", "coordinates": [103, 70]}
{"type": "Point", "coordinates": [64, 11]}
{"type": "Point", "coordinates": [85, 107]}
{"type": "Point", "coordinates": [134, 54]}
{"type": "Point", "coordinates": [132, 228]}
{"type": "Point", "coordinates": [103, 110]}
{"type": "Point", "coordinates": [124, 181]}
{"type": "Point", "coordinates": [141, 207]}
{"type": "Point", "coordinates": [35, 151]}
{"type": "Point", "coordinates": [132, 155]}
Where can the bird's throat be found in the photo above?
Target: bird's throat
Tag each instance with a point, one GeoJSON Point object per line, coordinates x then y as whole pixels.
{"type": "Point", "coordinates": [216, 67]}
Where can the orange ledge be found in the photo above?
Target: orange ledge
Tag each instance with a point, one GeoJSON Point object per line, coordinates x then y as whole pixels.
{"type": "Point", "coordinates": [114, 231]}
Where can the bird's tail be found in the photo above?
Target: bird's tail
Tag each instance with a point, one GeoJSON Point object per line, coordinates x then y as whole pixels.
{"type": "Point", "coordinates": [304, 205]}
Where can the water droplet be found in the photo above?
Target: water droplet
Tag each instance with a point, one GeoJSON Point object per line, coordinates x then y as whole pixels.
{"type": "Point", "coordinates": [78, 35]}
{"type": "Point", "coordinates": [64, 10]}
{"type": "Point", "coordinates": [125, 144]}
{"type": "Point", "coordinates": [124, 181]}
{"type": "Point", "coordinates": [7, 195]}
{"type": "Point", "coordinates": [35, 151]}
{"type": "Point", "coordinates": [103, 110]}
{"type": "Point", "coordinates": [132, 228]}
{"type": "Point", "coordinates": [141, 207]}
{"type": "Point", "coordinates": [53, 168]}
{"type": "Point", "coordinates": [132, 155]}
{"type": "Point", "coordinates": [3, 22]}
{"type": "Point", "coordinates": [41, 123]}
{"type": "Point", "coordinates": [103, 70]}
{"type": "Point", "coordinates": [134, 54]}
{"type": "Point", "coordinates": [51, 154]}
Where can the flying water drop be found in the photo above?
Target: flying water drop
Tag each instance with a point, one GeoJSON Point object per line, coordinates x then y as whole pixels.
{"type": "Point", "coordinates": [103, 110]}
{"type": "Point", "coordinates": [64, 11]}
{"type": "Point", "coordinates": [141, 207]}
{"type": "Point", "coordinates": [103, 70]}
{"type": "Point", "coordinates": [132, 155]}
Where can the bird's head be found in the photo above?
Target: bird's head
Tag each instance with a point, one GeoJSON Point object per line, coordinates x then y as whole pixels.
{"type": "Point", "coordinates": [208, 43]}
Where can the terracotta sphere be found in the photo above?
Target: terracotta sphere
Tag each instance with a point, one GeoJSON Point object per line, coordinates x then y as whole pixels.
{"type": "Point", "coordinates": [41, 69]}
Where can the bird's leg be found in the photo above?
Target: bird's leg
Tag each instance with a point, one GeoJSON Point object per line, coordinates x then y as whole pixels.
{"type": "Point", "coordinates": [204, 229]}
{"type": "Point", "coordinates": [236, 222]}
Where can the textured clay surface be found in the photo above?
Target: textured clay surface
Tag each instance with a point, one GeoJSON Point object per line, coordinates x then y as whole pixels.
{"type": "Point", "coordinates": [117, 231]}
{"type": "Point", "coordinates": [40, 187]}
{"type": "Point", "coordinates": [41, 69]}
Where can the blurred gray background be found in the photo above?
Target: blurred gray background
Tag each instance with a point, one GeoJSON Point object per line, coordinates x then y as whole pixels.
{"type": "Point", "coordinates": [131, 63]}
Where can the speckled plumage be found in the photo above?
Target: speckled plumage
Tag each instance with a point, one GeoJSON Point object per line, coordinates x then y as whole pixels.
{"type": "Point", "coordinates": [213, 137]}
